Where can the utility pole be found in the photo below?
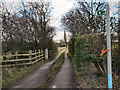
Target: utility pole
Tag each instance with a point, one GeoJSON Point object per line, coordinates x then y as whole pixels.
{"type": "Point", "coordinates": [0, 45]}
{"type": "Point", "coordinates": [118, 36]}
{"type": "Point", "coordinates": [109, 65]}
{"type": "Point", "coordinates": [119, 11]}
{"type": "Point", "coordinates": [118, 27]}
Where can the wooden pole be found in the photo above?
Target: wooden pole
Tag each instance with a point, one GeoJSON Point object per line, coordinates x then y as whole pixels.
{"type": "Point", "coordinates": [35, 54]}
{"type": "Point", "coordinates": [16, 53]}
{"type": "Point", "coordinates": [42, 54]}
{"type": "Point", "coordinates": [30, 56]}
{"type": "Point", "coordinates": [39, 54]}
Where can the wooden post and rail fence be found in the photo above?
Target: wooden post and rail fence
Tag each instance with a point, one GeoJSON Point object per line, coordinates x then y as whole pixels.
{"type": "Point", "coordinates": [30, 58]}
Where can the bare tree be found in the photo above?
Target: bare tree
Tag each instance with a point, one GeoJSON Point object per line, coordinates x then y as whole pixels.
{"type": "Point", "coordinates": [28, 27]}
{"type": "Point", "coordinates": [82, 19]}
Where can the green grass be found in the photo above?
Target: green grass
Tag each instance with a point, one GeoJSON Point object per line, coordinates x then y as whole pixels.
{"type": "Point", "coordinates": [15, 73]}
{"type": "Point", "coordinates": [75, 68]}
{"type": "Point", "coordinates": [87, 74]}
{"type": "Point", "coordinates": [54, 55]}
{"type": "Point", "coordinates": [73, 61]}
{"type": "Point", "coordinates": [10, 75]}
{"type": "Point", "coordinates": [54, 70]}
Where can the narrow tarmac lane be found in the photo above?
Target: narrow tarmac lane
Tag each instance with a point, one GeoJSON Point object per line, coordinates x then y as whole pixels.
{"type": "Point", "coordinates": [65, 77]}
{"type": "Point", "coordinates": [38, 77]}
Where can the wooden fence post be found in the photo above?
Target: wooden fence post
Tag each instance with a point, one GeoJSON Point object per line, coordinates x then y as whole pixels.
{"type": "Point", "coordinates": [42, 54]}
{"type": "Point", "coordinates": [46, 54]}
{"type": "Point", "coordinates": [16, 53]}
{"type": "Point", "coordinates": [16, 56]}
{"type": "Point", "coordinates": [39, 53]}
{"type": "Point", "coordinates": [35, 53]}
{"type": "Point", "coordinates": [30, 56]}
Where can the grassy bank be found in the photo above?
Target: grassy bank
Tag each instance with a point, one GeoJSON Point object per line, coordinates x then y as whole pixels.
{"type": "Point", "coordinates": [88, 76]}
{"type": "Point", "coordinates": [73, 62]}
{"type": "Point", "coordinates": [10, 75]}
{"type": "Point", "coordinates": [54, 70]}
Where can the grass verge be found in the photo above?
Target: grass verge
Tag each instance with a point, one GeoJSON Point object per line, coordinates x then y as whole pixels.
{"type": "Point", "coordinates": [10, 75]}
{"type": "Point", "coordinates": [88, 76]}
{"type": "Point", "coordinates": [54, 70]}
{"type": "Point", "coordinates": [73, 62]}
{"type": "Point", "coordinates": [74, 66]}
{"type": "Point", "coordinates": [13, 74]}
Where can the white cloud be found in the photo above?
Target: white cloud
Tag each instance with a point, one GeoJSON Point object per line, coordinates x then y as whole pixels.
{"type": "Point", "coordinates": [61, 7]}
{"type": "Point", "coordinates": [60, 35]}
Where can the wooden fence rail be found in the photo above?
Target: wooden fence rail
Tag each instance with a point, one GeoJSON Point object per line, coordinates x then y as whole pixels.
{"type": "Point", "coordinates": [23, 59]}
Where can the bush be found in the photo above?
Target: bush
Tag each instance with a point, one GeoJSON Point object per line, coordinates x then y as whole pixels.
{"type": "Point", "coordinates": [81, 48]}
{"type": "Point", "coordinates": [86, 52]}
{"type": "Point", "coordinates": [88, 49]}
{"type": "Point", "coordinates": [71, 45]}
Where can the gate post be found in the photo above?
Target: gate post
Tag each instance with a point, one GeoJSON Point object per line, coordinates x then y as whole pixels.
{"type": "Point", "coordinates": [46, 54]}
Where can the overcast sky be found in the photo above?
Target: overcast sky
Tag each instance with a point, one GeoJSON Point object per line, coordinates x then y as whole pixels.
{"type": "Point", "coordinates": [63, 6]}
{"type": "Point", "coordinates": [60, 8]}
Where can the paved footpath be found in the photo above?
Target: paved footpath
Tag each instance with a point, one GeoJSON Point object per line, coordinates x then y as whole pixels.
{"type": "Point", "coordinates": [65, 77]}
{"type": "Point", "coordinates": [38, 77]}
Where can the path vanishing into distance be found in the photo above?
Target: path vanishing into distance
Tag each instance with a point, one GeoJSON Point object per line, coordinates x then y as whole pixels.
{"type": "Point", "coordinates": [38, 77]}
{"type": "Point", "coordinates": [65, 77]}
